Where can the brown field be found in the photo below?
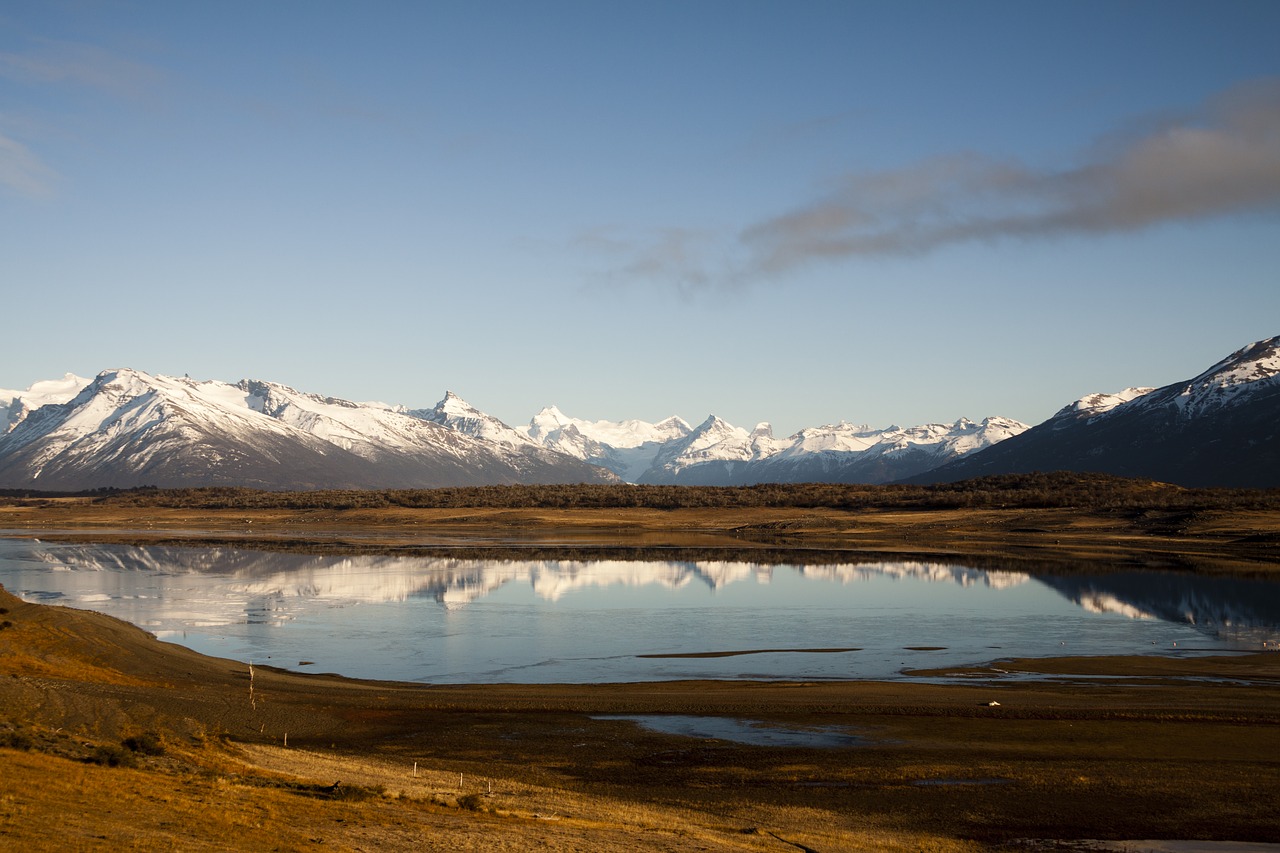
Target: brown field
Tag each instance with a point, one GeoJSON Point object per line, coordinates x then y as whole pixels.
{"type": "Point", "coordinates": [111, 739]}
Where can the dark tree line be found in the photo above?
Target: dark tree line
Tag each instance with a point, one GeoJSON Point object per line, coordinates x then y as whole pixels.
{"type": "Point", "coordinates": [1027, 491]}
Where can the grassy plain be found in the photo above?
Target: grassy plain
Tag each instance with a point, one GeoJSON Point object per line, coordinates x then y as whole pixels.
{"type": "Point", "coordinates": [111, 739]}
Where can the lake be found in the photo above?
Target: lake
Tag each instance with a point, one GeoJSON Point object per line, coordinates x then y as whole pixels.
{"type": "Point", "coordinates": [457, 620]}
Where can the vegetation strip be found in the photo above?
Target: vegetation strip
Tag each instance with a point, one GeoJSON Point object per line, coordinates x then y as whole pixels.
{"type": "Point", "coordinates": [748, 652]}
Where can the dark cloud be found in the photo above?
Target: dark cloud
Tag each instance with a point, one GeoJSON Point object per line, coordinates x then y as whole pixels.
{"type": "Point", "coordinates": [1223, 160]}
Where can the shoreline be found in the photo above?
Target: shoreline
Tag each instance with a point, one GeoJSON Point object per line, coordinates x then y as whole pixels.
{"type": "Point", "coordinates": [1222, 541]}
{"type": "Point", "coordinates": [1107, 747]}
{"type": "Point", "coordinates": [1101, 733]}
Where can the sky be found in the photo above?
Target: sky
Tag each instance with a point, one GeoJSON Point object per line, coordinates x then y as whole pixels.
{"type": "Point", "coordinates": [794, 212]}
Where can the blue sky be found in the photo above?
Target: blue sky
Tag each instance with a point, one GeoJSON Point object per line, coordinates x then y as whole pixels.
{"type": "Point", "coordinates": [898, 212]}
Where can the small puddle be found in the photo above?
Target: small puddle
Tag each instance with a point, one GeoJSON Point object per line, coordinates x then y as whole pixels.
{"type": "Point", "coordinates": [751, 732]}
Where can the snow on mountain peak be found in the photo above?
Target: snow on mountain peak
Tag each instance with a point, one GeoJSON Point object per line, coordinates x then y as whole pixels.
{"type": "Point", "coordinates": [1092, 405]}
{"type": "Point", "coordinates": [673, 425]}
{"type": "Point", "coordinates": [16, 405]}
{"type": "Point", "coordinates": [715, 451]}
{"type": "Point", "coordinates": [460, 416]}
{"type": "Point", "coordinates": [1245, 369]}
{"type": "Point", "coordinates": [545, 428]}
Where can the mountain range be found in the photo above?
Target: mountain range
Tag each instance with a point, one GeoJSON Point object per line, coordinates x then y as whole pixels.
{"type": "Point", "coordinates": [126, 428]}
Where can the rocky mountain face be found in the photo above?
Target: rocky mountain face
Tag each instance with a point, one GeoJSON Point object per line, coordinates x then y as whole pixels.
{"type": "Point", "coordinates": [1221, 428]}
{"type": "Point", "coordinates": [127, 428]}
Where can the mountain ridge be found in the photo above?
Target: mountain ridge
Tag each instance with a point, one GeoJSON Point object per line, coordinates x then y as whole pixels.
{"type": "Point", "coordinates": [1219, 428]}
{"type": "Point", "coordinates": [127, 428]}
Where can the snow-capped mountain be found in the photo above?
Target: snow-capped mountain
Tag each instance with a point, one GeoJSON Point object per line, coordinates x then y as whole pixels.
{"type": "Point", "coordinates": [127, 428]}
{"type": "Point", "coordinates": [16, 405]}
{"type": "Point", "coordinates": [627, 448]}
{"type": "Point", "coordinates": [716, 453]}
{"type": "Point", "coordinates": [847, 454]}
{"type": "Point", "coordinates": [460, 416]}
{"type": "Point", "coordinates": [1220, 428]}
{"type": "Point", "coordinates": [1092, 405]}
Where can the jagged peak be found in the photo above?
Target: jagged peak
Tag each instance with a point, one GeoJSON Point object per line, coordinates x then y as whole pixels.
{"type": "Point", "coordinates": [711, 420]}
{"type": "Point", "coordinates": [550, 411]}
{"type": "Point", "coordinates": [451, 403]}
{"type": "Point", "coordinates": [673, 421]}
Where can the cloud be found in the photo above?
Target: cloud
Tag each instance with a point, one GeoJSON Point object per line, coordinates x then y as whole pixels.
{"type": "Point", "coordinates": [1218, 160]}
{"type": "Point", "coordinates": [52, 61]}
{"type": "Point", "coordinates": [673, 256]}
{"type": "Point", "coordinates": [1223, 160]}
{"type": "Point", "coordinates": [22, 172]}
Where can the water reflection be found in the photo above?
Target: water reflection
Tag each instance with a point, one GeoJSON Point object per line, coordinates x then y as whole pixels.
{"type": "Point", "coordinates": [752, 732]}
{"type": "Point", "coordinates": [466, 619]}
{"type": "Point", "coordinates": [1221, 607]}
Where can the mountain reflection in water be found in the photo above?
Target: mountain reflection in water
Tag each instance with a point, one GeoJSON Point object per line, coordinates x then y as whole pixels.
{"type": "Point", "coordinates": [461, 619]}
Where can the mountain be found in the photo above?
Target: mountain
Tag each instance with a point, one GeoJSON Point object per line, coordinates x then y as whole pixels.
{"type": "Point", "coordinates": [716, 453]}
{"type": "Point", "coordinates": [16, 405]}
{"type": "Point", "coordinates": [1221, 428]}
{"type": "Point", "coordinates": [849, 454]}
{"type": "Point", "coordinates": [627, 448]}
{"type": "Point", "coordinates": [127, 428]}
{"type": "Point", "coordinates": [458, 415]}
{"type": "Point", "coordinates": [713, 454]}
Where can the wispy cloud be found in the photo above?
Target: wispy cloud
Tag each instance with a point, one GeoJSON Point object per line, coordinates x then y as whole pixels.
{"type": "Point", "coordinates": [53, 61]}
{"type": "Point", "coordinates": [676, 257]}
{"type": "Point", "coordinates": [1222, 159]}
{"type": "Point", "coordinates": [49, 62]}
{"type": "Point", "coordinates": [22, 172]}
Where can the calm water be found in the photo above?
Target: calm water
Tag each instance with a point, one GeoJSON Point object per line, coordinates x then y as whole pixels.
{"type": "Point", "coordinates": [463, 620]}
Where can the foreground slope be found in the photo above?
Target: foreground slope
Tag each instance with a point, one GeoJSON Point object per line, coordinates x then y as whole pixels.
{"type": "Point", "coordinates": [1220, 428]}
